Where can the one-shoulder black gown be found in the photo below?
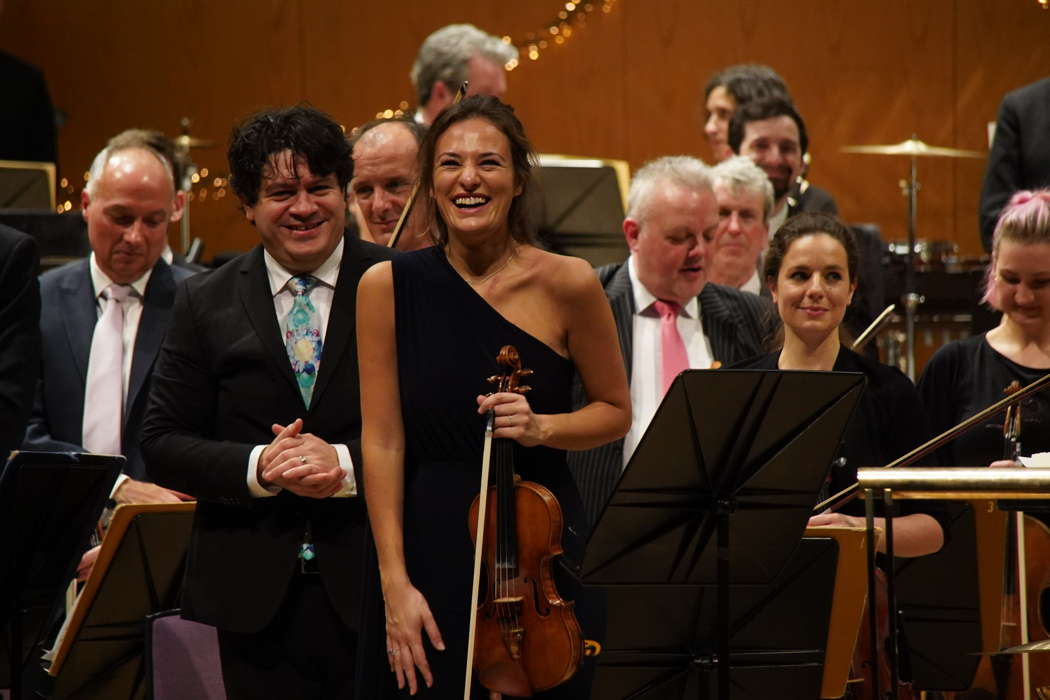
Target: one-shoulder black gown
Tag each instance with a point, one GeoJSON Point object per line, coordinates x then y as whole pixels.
{"type": "Point", "coordinates": [448, 339]}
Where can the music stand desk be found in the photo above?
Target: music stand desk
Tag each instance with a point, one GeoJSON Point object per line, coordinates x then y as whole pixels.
{"type": "Point", "coordinates": [49, 505]}
{"type": "Point", "coordinates": [847, 606]}
{"type": "Point", "coordinates": [138, 572]}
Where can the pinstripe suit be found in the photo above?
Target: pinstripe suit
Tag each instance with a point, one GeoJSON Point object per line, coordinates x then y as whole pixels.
{"type": "Point", "coordinates": [737, 325]}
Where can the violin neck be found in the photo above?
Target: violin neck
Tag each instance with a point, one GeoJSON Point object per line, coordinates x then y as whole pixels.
{"type": "Point", "coordinates": [506, 510]}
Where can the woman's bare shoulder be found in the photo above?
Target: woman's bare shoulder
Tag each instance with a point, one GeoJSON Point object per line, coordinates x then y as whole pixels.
{"type": "Point", "coordinates": [564, 273]}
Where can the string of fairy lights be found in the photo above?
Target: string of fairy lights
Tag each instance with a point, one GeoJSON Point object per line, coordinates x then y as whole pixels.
{"type": "Point", "coordinates": [570, 19]}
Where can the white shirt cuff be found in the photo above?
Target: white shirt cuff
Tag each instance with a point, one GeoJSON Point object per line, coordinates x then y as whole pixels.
{"type": "Point", "coordinates": [256, 489]}
{"type": "Point", "coordinates": [121, 478]}
{"type": "Point", "coordinates": [349, 482]}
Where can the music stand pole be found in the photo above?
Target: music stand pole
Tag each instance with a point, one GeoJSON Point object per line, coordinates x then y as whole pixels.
{"type": "Point", "coordinates": [873, 616]}
{"type": "Point", "coordinates": [725, 507]}
{"type": "Point", "coordinates": [891, 592]}
{"type": "Point", "coordinates": [16, 659]}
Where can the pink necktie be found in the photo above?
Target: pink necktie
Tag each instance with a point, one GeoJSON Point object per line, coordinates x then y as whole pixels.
{"type": "Point", "coordinates": [104, 395]}
{"type": "Point", "coordinates": [674, 358]}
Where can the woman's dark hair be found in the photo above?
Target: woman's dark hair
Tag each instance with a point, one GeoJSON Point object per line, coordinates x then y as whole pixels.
{"type": "Point", "coordinates": [747, 82]}
{"type": "Point", "coordinates": [305, 131]}
{"type": "Point", "coordinates": [501, 116]}
{"type": "Point", "coordinates": [799, 226]}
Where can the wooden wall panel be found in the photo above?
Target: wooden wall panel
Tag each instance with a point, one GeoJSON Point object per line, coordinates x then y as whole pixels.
{"type": "Point", "coordinates": [626, 86]}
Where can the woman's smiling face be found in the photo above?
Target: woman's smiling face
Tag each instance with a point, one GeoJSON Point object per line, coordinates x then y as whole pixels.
{"type": "Point", "coordinates": [474, 178]}
{"type": "Point", "coordinates": [813, 287]}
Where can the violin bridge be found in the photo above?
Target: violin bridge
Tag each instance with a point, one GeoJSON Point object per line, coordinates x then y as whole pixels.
{"type": "Point", "coordinates": [509, 600]}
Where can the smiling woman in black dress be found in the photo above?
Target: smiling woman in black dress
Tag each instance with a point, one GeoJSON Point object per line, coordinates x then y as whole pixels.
{"type": "Point", "coordinates": [430, 326]}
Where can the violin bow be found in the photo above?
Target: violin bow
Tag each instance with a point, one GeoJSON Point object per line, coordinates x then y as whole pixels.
{"type": "Point", "coordinates": [848, 494]}
{"type": "Point", "coordinates": [410, 202]}
{"type": "Point", "coordinates": [479, 546]}
{"type": "Point", "coordinates": [871, 331]}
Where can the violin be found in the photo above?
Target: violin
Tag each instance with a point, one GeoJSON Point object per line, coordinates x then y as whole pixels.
{"type": "Point", "coordinates": [523, 637]}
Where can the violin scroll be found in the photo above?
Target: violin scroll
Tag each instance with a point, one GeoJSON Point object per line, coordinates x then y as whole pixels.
{"type": "Point", "coordinates": [509, 381]}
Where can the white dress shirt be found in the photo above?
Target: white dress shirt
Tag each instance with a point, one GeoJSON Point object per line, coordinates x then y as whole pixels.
{"type": "Point", "coordinates": [132, 310]}
{"type": "Point", "coordinates": [752, 285]}
{"type": "Point", "coordinates": [777, 219]}
{"type": "Point", "coordinates": [646, 356]}
{"type": "Point", "coordinates": [321, 297]}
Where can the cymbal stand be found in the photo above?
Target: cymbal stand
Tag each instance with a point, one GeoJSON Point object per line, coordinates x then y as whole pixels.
{"type": "Point", "coordinates": [912, 300]}
{"type": "Point", "coordinates": [188, 169]}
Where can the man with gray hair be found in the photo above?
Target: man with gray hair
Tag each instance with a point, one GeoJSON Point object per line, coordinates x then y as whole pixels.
{"type": "Point", "coordinates": [451, 55]}
{"type": "Point", "coordinates": [668, 316]}
{"type": "Point", "coordinates": [103, 318]}
{"type": "Point", "coordinates": [745, 200]}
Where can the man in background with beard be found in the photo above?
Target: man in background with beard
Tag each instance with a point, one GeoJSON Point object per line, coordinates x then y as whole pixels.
{"type": "Point", "coordinates": [771, 132]}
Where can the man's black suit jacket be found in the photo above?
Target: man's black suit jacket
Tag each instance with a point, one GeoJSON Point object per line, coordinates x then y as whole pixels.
{"type": "Point", "coordinates": [67, 324]}
{"type": "Point", "coordinates": [1020, 154]}
{"type": "Point", "coordinates": [738, 326]}
{"type": "Point", "coordinates": [812, 199]}
{"type": "Point", "coordinates": [222, 379]}
{"type": "Point", "coordinates": [19, 335]}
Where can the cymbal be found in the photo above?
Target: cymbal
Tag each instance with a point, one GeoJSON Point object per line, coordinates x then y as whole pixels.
{"type": "Point", "coordinates": [1041, 645]}
{"type": "Point", "coordinates": [913, 147]}
{"type": "Point", "coordinates": [186, 141]}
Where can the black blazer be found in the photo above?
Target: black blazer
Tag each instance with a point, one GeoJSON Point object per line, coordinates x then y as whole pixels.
{"type": "Point", "coordinates": [222, 378]}
{"type": "Point", "coordinates": [814, 199]}
{"type": "Point", "coordinates": [737, 324]}
{"type": "Point", "coordinates": [67, 323]}
{"type": "Point", "coordinates": [1020, 154]}
{"type": "Point", "coordinates": [19, 335]}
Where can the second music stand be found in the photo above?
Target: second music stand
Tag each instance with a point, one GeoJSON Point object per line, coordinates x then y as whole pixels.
{"type": "Point", "coordinates": [718, 493]}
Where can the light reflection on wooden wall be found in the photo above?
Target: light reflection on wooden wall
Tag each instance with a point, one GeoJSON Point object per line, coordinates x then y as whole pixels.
{"type": "Point", "coordinates": [626, 87]}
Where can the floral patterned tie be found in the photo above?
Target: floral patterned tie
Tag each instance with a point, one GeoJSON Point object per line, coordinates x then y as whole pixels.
{"type": "Point", "coordinates": [302, 336]}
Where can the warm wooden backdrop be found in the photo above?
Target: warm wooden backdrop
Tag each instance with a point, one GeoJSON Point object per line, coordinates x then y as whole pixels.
{"type": "Point", "coordinates": [627, 86]}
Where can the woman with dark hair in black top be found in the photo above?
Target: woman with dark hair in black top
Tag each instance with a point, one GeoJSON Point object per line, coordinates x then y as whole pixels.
{"type": "Point", "coordinates": [811, 271]}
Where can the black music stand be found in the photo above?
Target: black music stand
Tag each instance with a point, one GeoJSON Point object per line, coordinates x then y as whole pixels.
{"type": "Point", "coordinates": [49, 505]}
{"type": "Point", "coordinates": [938, 600]}
{"type": "Point", "coordinates": [583, 204]}
{"type": "Point", "coordinates": [778, 634]}
{"type": "Point", "coordinates": [718, 493]}
{"type": "Point", "coordinates": [138, 573]}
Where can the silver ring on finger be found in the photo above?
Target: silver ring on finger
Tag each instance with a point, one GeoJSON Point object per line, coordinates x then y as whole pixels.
{"type": "Point", "coordinates": [302, 459]}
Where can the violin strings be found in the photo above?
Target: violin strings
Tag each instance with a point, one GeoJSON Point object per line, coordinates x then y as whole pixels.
{"type": "Point", "coordinates": [501, 542]}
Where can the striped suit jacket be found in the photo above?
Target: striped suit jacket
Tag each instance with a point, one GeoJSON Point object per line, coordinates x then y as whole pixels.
{"type": "Point", "coordinates": [738, 326]}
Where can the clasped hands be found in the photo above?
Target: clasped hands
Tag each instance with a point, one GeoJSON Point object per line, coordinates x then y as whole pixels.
{"type": "Point", "coordinates": [300, 462]}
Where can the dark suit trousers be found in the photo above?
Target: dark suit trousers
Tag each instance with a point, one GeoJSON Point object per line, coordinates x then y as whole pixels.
{"type": "Point", "coordinates": [305, 652]}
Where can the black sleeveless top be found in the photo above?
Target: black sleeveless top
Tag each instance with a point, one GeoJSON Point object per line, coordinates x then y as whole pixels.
{"type": "Point", "coordinates": [448, 338]}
